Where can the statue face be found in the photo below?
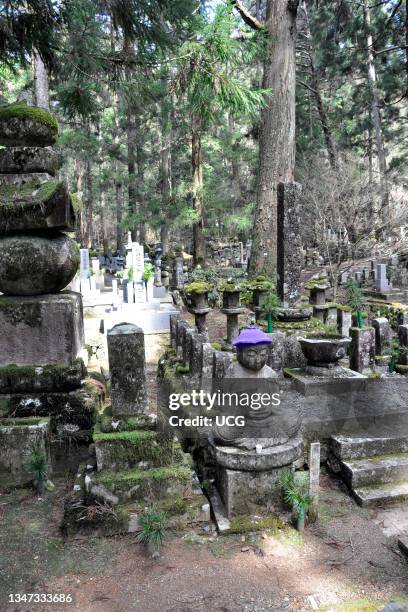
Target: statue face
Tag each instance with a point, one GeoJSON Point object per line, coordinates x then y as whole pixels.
{"type": "Point", "coordinates": [253, 357]}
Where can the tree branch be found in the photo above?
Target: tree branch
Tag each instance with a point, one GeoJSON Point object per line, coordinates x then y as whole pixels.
{"type": "Point", "coordinates": [249, 19]}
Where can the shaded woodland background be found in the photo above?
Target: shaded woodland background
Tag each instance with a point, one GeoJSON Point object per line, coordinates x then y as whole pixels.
{"type": "Point", "coordinates": [160, 103]}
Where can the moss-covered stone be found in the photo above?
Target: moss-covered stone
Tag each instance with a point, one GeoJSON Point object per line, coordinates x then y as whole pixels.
{"type": "Point", "coordinates": [245, 524]}
{"type": "Point", "coordinates": [198, 287]}
{"type": "Point", "coordinates": [142, 485]}
{"type": "Point", "coordinates": [53, 377]}
{"type": "Point", "coordinates": [129, 449]}
{"type": "Point", "coordinates": [401, 369]}
{"type": "Point", "coordinates": [21, 124]}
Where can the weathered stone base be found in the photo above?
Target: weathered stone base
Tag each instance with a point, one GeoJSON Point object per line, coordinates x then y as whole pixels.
{"type": "Point", "coordinates": [41, 330]}
{"type": "Point", "coordinates": [239, 490]}
{"type": "Point", "coordinates": [17, 438]}
{"type": "Point", "coordinates": [183, 511]}
{"type": "Point", "coordinates": [50, 378]}
{"type": "Point", "coordinates": [74, 408]}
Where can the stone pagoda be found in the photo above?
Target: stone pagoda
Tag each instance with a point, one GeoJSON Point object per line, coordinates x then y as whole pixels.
{"type": "Point", "coordinates": [42, 338]}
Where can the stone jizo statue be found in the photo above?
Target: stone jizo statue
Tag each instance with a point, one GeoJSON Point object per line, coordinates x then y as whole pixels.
{"type": "Point", "coordinates": [267, 425]}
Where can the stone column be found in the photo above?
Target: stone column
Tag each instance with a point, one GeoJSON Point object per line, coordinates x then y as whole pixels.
{"type": "Point", "coordinates": [157, 272]}
{"type": "Point", "coordinates": [343, 322]}
{"type": "Point", "coordinates": [382, 336]}
{"type": "Point", "coordinates": [127, 369]}
{"type": "Point", "coordinates": [314, 478]}
{"type": "Point", "coordinates": [403, 341]}
{"type": "Point", "coordinates": [178, 274]}
{"type": "Point", "coordinates": [362, 348]}
{"type": "Point", "coordinates": [289, 246]}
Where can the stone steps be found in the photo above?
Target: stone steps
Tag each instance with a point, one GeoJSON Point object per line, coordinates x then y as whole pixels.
{"type": "Point", "coordinates": [375, 470]}
{"type": "Point", "coordinates": [344, 447]}
{"type": "Point", "coordinates": [386, 494]}
{"type": "Point", "coordinates": [374, 467]}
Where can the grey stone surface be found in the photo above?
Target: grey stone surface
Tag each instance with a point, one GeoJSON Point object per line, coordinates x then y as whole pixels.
{"type": "Point", "coordinates": [318, 295]}
{"type": "Point", "coordinates": [379, 495]}
{"type": "Point", "coordinates": [41, 330]}
{"type": "Point", "coordinates": [239, 489]}
{"type": "Point", "coordinates": [17, 438]}
{"type": "Point", "coordinates": [37, 264]}
{"type": "Point", "coordinates": [353, 447]}
{"type": "Point", "coordinates": [375, 470]}
{"type": "Point", "coordinates": [276, 351]}
{"type": "Point", "coordinates": [325, 349]}
{"type": "Point", "coordinates": [38, 206]}
{"type": "Point", "coordinates": [196, 355]}
{"type": "Point", "coordinates": [26, 131]}
{"type": "Point", "coordinates": [173, 329]}
{"type": "Point", "coordinates": [58, 377]}
{"type": "Point", "coordinates": [20, 160]}
{"type": "Point", "coordinates": [258, 460]}
{"type": "Point", "coordinates": [127, 369]}
{"type": "Point", "coordinates": [382, 335]}
{"type": "Point", "coordinates": [289, 248]}
{"type": "Point", "coordinates": [178, 274]}
{"type": "Point", "coordinates": [222, 364]}
{"type": "Point", "coordinates": [362, 348]}
{"type": "Point", "coordinates": [314, 479]}
{"type": "Point", "coordinates": [343, 322]}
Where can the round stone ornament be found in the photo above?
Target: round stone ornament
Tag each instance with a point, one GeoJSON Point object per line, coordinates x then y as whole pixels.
{"type": "Point", "coordinates": [33, 264]}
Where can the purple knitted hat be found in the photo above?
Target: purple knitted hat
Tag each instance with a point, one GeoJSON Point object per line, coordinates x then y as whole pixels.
{"type": "Point", "coordinates": [251, 336]}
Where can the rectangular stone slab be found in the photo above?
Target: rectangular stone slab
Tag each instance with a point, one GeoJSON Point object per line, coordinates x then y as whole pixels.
{"type": "Point", "coordinates": [17, 437]}
{"type": "Point", "coordinates": [41, 329]}
{"type": "Point", "coordinates": [35, 205]}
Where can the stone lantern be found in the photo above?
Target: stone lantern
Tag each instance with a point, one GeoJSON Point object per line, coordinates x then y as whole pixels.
{"type": "Point", "coordinates": [231, 306]}
{"type": "Point", "coordinates": [197, 293]}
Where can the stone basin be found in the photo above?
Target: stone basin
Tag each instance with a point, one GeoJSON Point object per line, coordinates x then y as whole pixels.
{"type": "Point", "coordinates": [324, 349]}
{"type": "Point", "coordinates": [294, 314]}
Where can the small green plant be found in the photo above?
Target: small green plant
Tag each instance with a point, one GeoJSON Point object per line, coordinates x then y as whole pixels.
{"type": "Point", "coordinates": [355, 299]}
{"type": "Point", "coordinates": [130, 274]}
{"type": "Point", "coordinates": [37, 464]}
{"type": "Point", "coordinates": [295, 496]}
{"type": "Point", "coordinates": [148, 272]}
{"type": "Point", "coordinates": [153, 529]}
{"type": "Point", "coordinates": [270, 309]}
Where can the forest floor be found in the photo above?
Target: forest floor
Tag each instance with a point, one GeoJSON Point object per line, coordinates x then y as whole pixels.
{"type": "Point", "coordinates": [342, 562]}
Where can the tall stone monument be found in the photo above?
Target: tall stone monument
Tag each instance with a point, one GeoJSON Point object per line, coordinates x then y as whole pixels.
{"type": "Point", "coordinates": [42, 336]}
{"type": "Point", "coordinates": [289, 245]}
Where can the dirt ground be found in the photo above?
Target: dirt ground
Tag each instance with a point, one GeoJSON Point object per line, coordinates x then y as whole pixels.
{"type": "Point", "coordinates": [343, 562]}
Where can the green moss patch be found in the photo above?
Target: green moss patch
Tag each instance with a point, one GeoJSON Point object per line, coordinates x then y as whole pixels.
{"type": "Point", "coordinates": [401, 369]}
{"type": "Point", "coordinates": [245, 524]}
{"type": "Point", "coordinates": [197, 287]}
{"type": "Point", "coordinates": [148, 481]}
{"type": "Point", "coordinates": [31, 193]}
{"type": "Point", "coordinates": [21, 110]}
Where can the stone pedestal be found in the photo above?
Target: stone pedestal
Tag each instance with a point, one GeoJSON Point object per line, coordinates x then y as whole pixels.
{"type": "Point", "coordinates": [382, 336]}
{"type": "Point", "coordinates": [343, 322]}
{"type": "Point", "coordinates": [41, 329]}
{"type": "Point", "coordinates": [127, 368]}
{"type": "Point", "coordinates": [362, 348]}
{"type": "Point", "coordinates": [246, 477]}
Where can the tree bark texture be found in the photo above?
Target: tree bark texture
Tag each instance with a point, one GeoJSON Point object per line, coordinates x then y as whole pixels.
{"type": "Point", "coordinates": [197, 191]}
{"type": "Point", "coordinates": [277, 132]}
{"type": "Point", "coordinates": [40, 74]}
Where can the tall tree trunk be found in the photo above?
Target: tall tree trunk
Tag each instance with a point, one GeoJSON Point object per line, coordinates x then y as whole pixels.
{"type": "Point", "coordinates": [140, 161]}
{"type": "Point", "coordinates": [131, 164]}
{"type": "Point", "coordinates": [197, 190]}
{"type": "Point", "coordinates": [166, 186]}
{"type": "Point", "coordinates": [376, 115]}
{"type": "Point", "coordinates": [88, 235]}
{"type": "Point", "coordinates": [235, 173]}
{"type": "Point", "coordinates": [315, 87]}
{"type": "Point", "coordinates": [119, 211]}
{"type": "Point", "coordinates": [79, 221]}
{"type": "Point", "coordinates": [40, 76]}
{"type": "Point", "coordinates": [277, 131]}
